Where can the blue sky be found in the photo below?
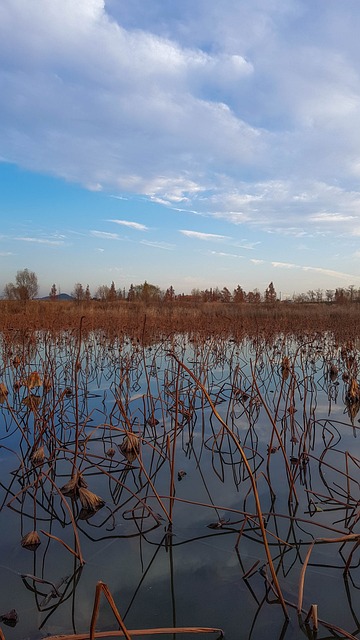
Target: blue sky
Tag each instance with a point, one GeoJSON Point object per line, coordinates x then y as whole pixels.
{"type": "Point", "coordinates": [190, 143]}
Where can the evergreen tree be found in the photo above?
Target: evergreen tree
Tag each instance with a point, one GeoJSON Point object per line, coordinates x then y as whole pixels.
{"type": "Point", "coordinates": [270, 294]}
{"type": "Point", "coordinates": [53, 292]}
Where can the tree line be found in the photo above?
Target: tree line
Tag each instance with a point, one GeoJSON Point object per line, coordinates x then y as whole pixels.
{"type": "Point", "coordinates": [26, 287]}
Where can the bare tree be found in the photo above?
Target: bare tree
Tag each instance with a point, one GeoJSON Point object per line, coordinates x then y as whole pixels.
{"type": "Point", "coordinates": [26, 286]}
{"type": "Point", "coordinates": [102, 292]}
{"type": "Point", "coordinates": [319, 295]}
{"type": "Point", "coordinates": [10, 291]}
{"type": "Point", "coordinates": [329, 295]}
{"type": "Point", "coordinates": [78, 292]}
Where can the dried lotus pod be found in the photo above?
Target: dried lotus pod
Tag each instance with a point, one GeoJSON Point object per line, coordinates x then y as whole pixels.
{"type": "Point", "coordinates": [31, 541]}
{"type": "Point", "coordinates": [333, 372]}
{"type": "Point", "coordinates": [33, 380]}
{"type": "Point", "coordinates": [32, 401]}
{"type": "Point", "coordinates": [130, 446]}
{"type": "Point", "coordinates": [110, 452]}
{"type": "Point", "coordinates": [353, 393]}
{"type": "Point", "coordinates": [352, 399]}
{"type": "Point", "coordinates": [285, 367]}
{"type": "Point", "coordinates": [11, 618]}
{"type": "Point", "coordinates": [38, 456]}
{"type": "Point", "coordinates": [3, 393]}
{"type": "Point", "coordinates": [71, 488]}
{"type": "Point", "coordinates": [89, 500]}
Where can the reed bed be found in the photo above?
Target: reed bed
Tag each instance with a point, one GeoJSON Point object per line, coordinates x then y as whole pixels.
{"type": "Point", "coordinates": [112, 437]}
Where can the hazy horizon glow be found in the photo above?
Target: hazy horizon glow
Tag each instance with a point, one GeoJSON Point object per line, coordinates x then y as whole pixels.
{"type": "Point", "coordinates": [194, 144]}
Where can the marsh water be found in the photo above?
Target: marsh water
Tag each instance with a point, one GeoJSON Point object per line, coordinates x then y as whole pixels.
{"type": "Point", "coordinates": [135, 464]}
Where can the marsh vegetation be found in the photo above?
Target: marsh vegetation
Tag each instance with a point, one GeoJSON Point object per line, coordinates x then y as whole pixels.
{"type": "Point", "coordinates": [198, 466]}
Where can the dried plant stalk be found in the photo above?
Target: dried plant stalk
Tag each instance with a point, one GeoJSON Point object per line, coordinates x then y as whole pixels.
{"type": "Point", "coordinates": [101, 587]}
{"type": "Point", "coordinates": [252, 481]}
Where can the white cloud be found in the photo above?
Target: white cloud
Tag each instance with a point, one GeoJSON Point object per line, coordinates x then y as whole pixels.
{"type": "Point", "coordinates": [331, 217]}
{"type": "Point", "coordinates": [132, 225]}
{"type": "Point", "coordinates": [294, 207]}
{"type": "Point", "coordinates": [56, 243]}
{"type": "Point", "coordinates": [105, 235]}
{"type": "Point", "coordinates": [284, 265]}
{"type": "Point", "coordinates": [331, 273]}
{"type": "Point", "coordinates": [223, 254]}
{"type": "Point", "coordinates": [202, 236]}
{"type": "Point", "coordinates": [244, 244]}
{"type": "Point", "coordinates": [158, 245]}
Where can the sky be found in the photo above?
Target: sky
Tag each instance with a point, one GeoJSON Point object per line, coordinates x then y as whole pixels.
{"type": "Point", "coordinates": [191, 143]}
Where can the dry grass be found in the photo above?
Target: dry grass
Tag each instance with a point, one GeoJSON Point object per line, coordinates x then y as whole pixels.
{"type": "Point", "coordinates": [147, 323]}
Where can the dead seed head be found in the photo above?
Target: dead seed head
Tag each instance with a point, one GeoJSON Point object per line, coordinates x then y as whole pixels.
{"type": "Point", "coordinates": [130, 443]}
{"type": "Point", "coordinates": [3, 393]}
{"type": "Point", "coordinates": [33, 380]}
{"type": "Point", "coordinates": [89, 500]}
{"type": "Point", "coordinates": [71, 488]}
{"type": "Point", "coordinates": [32, 401]}
{"type": "Point", "coordinates": [10, 619]}
{"type": "Point", "coordinates": [38, 456]}
{"type": "Point", "coordinates": [31, 541]}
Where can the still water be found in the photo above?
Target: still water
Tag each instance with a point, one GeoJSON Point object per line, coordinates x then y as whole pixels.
{"type": "Point", "coordinates": [138, 466]}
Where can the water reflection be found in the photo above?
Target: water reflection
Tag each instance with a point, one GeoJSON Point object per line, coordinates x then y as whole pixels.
{"type": "Point", "coordinates": [208, 483]}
